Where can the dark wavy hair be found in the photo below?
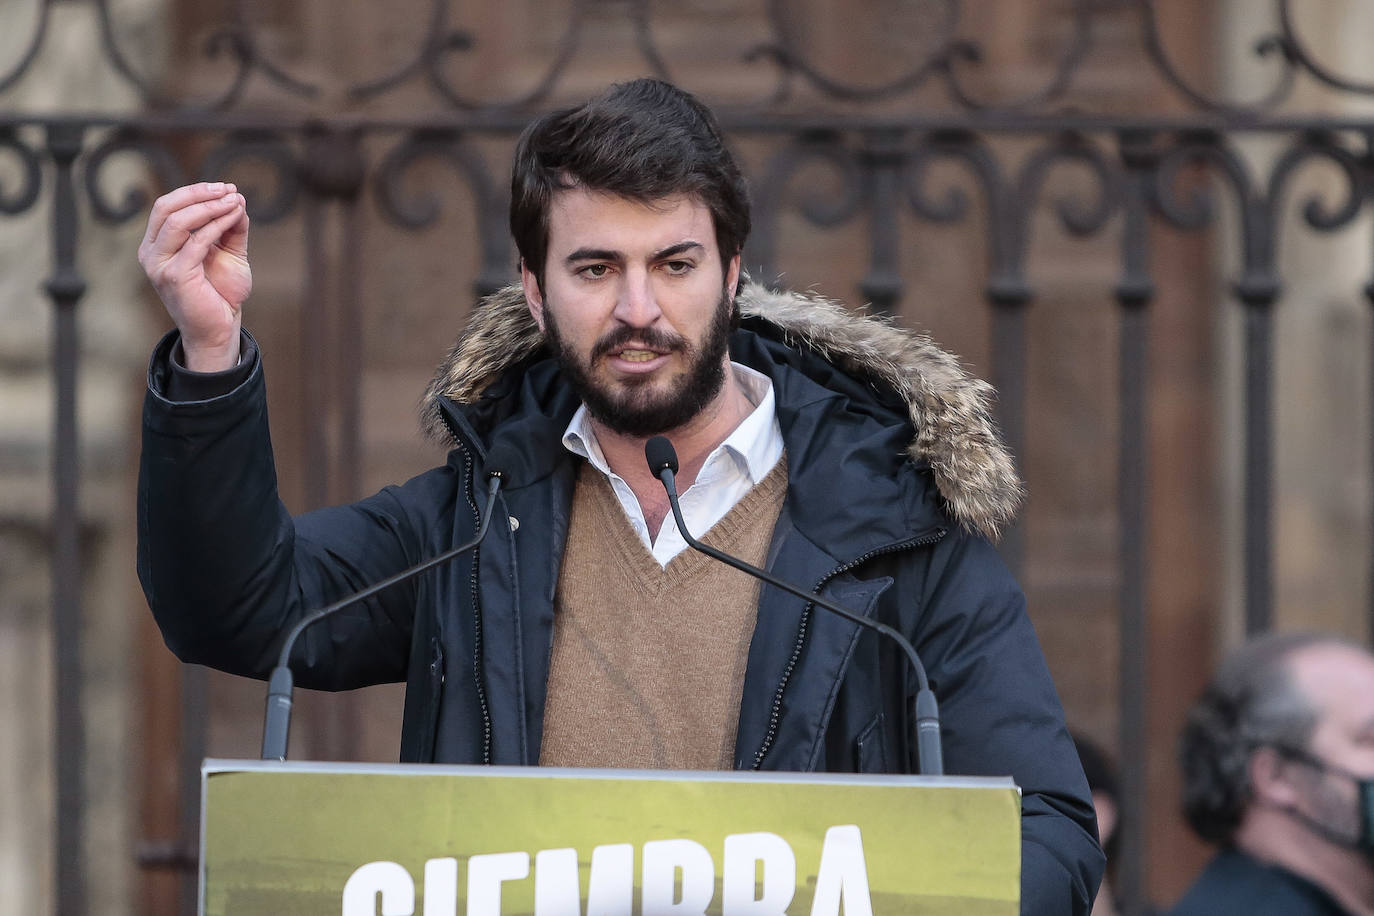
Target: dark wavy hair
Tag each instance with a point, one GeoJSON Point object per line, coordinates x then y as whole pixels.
{"type": "Point", "coordinates": [1251, 703]}
{"type": "Point", "coordinates": [645, 140]}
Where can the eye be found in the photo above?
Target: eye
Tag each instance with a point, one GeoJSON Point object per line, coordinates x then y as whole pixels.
{"type": "Point", "coordinates": [594, 271]}
{"type": "Point", "coordinates": [678, 267]}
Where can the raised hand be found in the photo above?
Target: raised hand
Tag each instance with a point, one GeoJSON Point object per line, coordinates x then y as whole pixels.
{"type": "Point", "coordinates": [195, 252]}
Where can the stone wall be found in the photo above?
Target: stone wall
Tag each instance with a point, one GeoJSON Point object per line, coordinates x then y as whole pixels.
{"type": "Point", "coordinates": [1323, 332]}
{"type": "Point", "coordinates": [70, 74]}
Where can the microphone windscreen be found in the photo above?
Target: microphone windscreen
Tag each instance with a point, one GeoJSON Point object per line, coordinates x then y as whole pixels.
{"type": "Point", "coordinates": [660, 454]}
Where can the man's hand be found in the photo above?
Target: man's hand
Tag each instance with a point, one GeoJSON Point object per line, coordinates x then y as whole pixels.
{"type": "Point", "coordinates": [195, 252]}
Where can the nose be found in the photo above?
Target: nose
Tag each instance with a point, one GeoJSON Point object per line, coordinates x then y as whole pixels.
{"type": "Point", "coordinates": [637, 306]}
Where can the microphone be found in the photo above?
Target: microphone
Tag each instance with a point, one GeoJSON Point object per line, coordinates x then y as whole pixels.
{"type": "Point", "coordinates": [662, 459]}
{"type": "Point", "coordinates": [277, 727]}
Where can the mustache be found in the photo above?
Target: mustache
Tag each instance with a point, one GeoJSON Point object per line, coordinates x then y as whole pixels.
{"type": "Point", "coordinates": [650, 338]}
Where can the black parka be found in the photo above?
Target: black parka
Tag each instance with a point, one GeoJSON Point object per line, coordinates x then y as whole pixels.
{"type": "Point", "coordinates": [227, 570]}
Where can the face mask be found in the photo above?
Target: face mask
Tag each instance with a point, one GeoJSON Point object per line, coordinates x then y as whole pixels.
{"type": "Point", "coordinates": [1364, 789]}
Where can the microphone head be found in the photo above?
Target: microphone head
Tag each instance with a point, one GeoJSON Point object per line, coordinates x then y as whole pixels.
{"type": "Point", "coordinates": [660, 454]}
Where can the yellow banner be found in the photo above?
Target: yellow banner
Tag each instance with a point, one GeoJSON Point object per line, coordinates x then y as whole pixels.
{"type": "Point", "coordinates": [358, 840]}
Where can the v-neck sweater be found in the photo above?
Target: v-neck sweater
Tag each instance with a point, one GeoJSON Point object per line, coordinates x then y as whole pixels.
{"type": "Point", "coordinates": [647, 667]}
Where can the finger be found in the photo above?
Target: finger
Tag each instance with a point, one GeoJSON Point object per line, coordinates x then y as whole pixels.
{"type": "Point", "coordinates": [200, 240]}
{"type": "Point", "coordinates": [179, 226]}
{"type": "Point", "coordinates": [181, 198]}
{"type": "Point", "coordinates": [235, 238]}
{"type": "Point", "coordinates": [198, 243]}
{"type": "Point", "coordinates": [182, 224]}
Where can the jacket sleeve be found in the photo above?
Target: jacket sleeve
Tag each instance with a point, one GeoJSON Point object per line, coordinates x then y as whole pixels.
{"type": "Point", "coordinates": [227, 570]}
{"type": "Point", "coordinates": [1000, 715]}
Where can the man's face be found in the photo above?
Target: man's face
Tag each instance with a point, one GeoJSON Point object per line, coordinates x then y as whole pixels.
{"type": "Point", "coordinates": [636, 304]}
{"type": "Point", "coordinates": [1339, 683]}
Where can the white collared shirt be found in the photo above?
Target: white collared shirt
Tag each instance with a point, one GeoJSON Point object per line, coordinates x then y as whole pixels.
{"type": "Point", "coordinates": [731, 470]}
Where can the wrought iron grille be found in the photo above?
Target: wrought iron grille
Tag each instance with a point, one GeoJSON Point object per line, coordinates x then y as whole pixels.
{"type": "Point", "coordinates": [323, 151]}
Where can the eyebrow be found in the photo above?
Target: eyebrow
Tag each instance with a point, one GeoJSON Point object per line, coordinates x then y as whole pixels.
{"type": "Point", "coordinates": [593, 254]}
{"type": "Point", "coordinates": [679, 248]}
{"type": "Point", "coordinates": [606, 254]}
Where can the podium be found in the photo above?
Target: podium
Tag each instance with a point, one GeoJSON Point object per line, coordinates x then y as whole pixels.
{"type": "Point", "coordinates": [403, 840]}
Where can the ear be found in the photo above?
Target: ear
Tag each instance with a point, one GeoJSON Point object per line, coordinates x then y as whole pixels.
{"type": "Point", "coordinates": [1271, 778]}
{"type": "Point", "coordinates": [732, 278]}
{"type": "Point", "coordinates": [534, 297]}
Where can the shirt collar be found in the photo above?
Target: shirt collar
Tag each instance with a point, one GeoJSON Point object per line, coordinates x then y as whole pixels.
{"type": "Point", "coordinates": [755, 444]}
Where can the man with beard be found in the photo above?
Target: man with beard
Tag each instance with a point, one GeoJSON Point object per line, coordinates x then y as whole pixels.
{"type": "Point", "coordinates": [837, 451]}
{"type": "Point", "coordinates": [1278, 770]}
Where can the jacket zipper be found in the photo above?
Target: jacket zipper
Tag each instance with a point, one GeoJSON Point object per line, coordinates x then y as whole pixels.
{"type": "Point", "coordinates": [472, 589]}
{"type": "Point", "coordinates": [776, 713]}
{"type": "Point", "coordinates": [436, 684]}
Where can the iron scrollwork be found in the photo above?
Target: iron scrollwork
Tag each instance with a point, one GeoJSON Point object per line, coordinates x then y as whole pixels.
{"type": "Point", "coordinates": [1258, 211]}
{"type": "Point", "coordinates": [881, 164]}
{"type": "Point", "coordinates": [272, 150]}
{"type": "Point", "coordinates": [157, 157]}
{"type": "Point", "coordinates": [419, 212]}
{"type": "Point", "coordinates": [25, 195]}
{"type": "Point", "coordinates": [950, 58]}
{"type": "Point", "coordinates": [1011, 204]}
{"type": "Point", "coordinates": [774, 187]}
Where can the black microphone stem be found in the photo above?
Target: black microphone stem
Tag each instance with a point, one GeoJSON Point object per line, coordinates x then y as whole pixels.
{"type": "Point", "coordinates": [930, 757]}
{"type": "Point", "coordinates": [277, 726]}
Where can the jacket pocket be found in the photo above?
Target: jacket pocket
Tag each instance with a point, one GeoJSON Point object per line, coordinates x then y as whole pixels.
{"type": "Point", "coordinates": [870, 747]}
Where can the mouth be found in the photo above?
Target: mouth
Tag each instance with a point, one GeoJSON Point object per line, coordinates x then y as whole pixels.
{"type": "Point", "coordinates": [638, 360]}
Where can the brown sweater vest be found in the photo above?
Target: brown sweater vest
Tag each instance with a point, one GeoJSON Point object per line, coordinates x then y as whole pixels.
{"type": "Point", "coordinates": [648, 662]}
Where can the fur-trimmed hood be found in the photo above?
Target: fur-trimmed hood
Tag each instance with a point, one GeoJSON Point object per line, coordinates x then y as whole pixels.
{"type": "Point", "coordinates": [949, 408]}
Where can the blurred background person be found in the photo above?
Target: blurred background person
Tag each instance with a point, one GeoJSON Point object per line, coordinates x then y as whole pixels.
{"type": "Point", "coordinates": [1106, 792]}
{"type": "Point", "coordinates": [1278, 771]}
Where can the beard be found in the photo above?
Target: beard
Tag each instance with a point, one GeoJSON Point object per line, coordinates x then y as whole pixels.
{"type": "Point", "coordinates": [642, 406]}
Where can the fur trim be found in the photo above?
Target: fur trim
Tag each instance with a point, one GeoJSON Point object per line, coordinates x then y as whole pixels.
{"type": "Point", "coordinates": [950, 409]}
